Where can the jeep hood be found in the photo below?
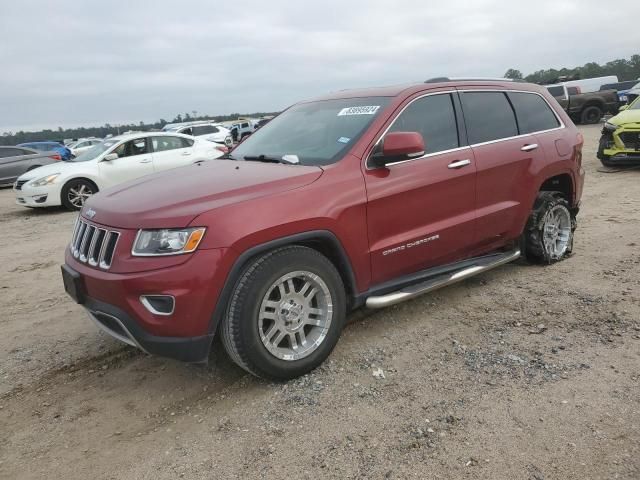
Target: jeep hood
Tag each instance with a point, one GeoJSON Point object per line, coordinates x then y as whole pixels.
{"type": "Point", "coordinates": [626, 117]}
{"type": "Point", "coordinates": [173, 198]}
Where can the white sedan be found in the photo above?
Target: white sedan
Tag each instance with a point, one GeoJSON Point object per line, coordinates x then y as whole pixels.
{"type": "Point", "coordinates": [83, 145]}
{"type": "Point", "coordinates": [113, 161]}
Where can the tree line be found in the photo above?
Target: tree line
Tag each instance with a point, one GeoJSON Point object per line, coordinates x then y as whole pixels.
{"type": "Point", "coordinates": [624, 69]}
{"type": "Point", "coordinates": [15, 138]}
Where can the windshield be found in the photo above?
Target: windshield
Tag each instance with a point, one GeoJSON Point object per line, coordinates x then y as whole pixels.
{"type": "Point", "coordinates": [635, 105]}
{"type": "Point", "coordinates": [96, 151]}
{"type": "Point", "coordinates": [315, 133]}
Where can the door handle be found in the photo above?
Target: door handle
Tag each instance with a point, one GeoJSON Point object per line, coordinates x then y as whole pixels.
{"type": "Point", "coordinates": [186, 153]}
{"type": "Point", "coordinates": [145, 160]}
{"type": "Point", "coordinates": [529, 147]}
{"type": "Point", "coordinates": [459, 164]}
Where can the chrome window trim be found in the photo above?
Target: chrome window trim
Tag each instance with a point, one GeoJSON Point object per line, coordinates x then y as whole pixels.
{"type": "Point", "coordinates": [465, 90]}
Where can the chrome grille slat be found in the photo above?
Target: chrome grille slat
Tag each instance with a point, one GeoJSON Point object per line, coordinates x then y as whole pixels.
{"type": "Point", "coordinates": [86, 242]}
{"type": "Point", "coordinates": [78, 243]}
{"type": "Point", "coordinates": [96, 246]}
{"type": "Point", "coordinates": [93, 245]}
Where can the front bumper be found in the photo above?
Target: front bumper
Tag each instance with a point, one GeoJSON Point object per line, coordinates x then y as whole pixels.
{"type": "Point", "coordinates": [121, 326]}
{"type": "Point", "coordinates": [47, 196]}
{"type": "Point", "coordinates": [115, 302]}
{"type": "Point", "coordinates": [623, 147]}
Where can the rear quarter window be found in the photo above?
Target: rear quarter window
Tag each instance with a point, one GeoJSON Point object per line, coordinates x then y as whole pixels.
{"type": "Point", "coordinates": [557, 91]}
{"type": "Point", "coordinates": [488, 116]}
{"type": "Point", "coordinates": [532, 112]}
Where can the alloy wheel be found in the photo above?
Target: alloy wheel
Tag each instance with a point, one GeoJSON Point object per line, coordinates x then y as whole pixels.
{"type": "Point", "coordinates": [78, 194]}
{"type": "Point", "coordinates": [557, 231]}
{"type": "Point", "coordinates": [295, 315]}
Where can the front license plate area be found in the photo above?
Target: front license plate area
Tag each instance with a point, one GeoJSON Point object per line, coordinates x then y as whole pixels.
{"type": "Point", "coordinates": [73, 284]}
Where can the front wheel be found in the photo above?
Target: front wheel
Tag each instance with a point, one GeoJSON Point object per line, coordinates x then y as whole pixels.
{"type": "Point", "coordinates": [286, 313]}
{"type": "Point", "coordinates": [549, 232]}
{"type": "Point", "coordinates": [76, 192]}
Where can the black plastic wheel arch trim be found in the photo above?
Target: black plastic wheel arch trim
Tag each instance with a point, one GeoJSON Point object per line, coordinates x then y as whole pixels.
{"type": "Point", "coordinates": [296, 239]}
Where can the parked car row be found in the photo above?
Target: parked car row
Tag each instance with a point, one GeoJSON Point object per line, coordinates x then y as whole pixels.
{"type": "Point", "coordinates": [214, 132]}
{"type": "Point", "coordinates": [115, 160]}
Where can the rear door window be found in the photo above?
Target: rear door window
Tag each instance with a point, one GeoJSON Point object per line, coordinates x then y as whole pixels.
{"type": "Point", "coordinates": [12, 152]}
{"type": "Point", "coordinates": [162, 144]}
{"type": "Point", "coordinates": [488, 116]}
{"type": "Point", "coordinates": [203, 130]}
{"type": "Point", "coordinates": [533, 113]}
{"type": "Point", "coordinates": [434, 118]}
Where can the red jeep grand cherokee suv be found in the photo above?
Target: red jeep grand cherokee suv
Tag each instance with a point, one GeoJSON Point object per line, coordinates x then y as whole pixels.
{"type": "Point", "coordinates": [366, 197]}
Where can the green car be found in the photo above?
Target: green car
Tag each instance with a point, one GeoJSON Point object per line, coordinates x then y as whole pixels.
{"type": "Point", "coordinates": [620, 141]}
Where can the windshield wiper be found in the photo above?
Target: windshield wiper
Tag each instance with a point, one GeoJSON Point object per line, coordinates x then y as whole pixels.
{"type": "Point", "coordinates": [227, 156]}
{"type": "Point", "coordinates": [286, 159]}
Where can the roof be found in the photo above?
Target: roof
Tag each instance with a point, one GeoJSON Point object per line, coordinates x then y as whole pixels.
{"type": "Point", "coordinates": [440, 82]}
{"type": "Point", "coordinates": [133, 136]}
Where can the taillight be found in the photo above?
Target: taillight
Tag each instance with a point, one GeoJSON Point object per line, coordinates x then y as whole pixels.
{"type": "Point", "coordinates": [222, 148]}
{"type": "Point", "coordinates": [56, 157]}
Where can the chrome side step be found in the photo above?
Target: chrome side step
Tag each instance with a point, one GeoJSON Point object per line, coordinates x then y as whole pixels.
{"type": "Point", "coordinates": [434, 283]}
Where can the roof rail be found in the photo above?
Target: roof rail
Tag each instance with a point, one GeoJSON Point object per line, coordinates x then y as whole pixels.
{"type": "Point", "coordinates": [470, 79]}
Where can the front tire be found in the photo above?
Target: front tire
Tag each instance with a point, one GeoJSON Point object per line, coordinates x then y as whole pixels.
{"type": "Point", "coordinates": [548, 236]}
{"type": "Point", "coordinates": [76, 192]}
{"type": "Point", "coordinates": [285, 314]}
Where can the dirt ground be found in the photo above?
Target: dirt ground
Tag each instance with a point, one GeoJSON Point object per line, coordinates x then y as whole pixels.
{"type": "Point", "coordinates": [522, 373]}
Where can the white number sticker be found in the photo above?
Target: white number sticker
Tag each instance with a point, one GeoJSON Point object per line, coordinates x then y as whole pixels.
{"type": "Point", "coordinates": [364, 110]}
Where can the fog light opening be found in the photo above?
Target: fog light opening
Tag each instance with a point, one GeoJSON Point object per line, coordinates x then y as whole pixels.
{"type": "Point", "coordinates": [159, 304]}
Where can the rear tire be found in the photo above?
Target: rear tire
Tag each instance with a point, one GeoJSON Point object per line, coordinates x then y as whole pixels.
{"type": "Point", "coordinates": [591, 115]}
{"type": "Point", "coordinates": [76, 192]}
{"type": "Point", "coordinates": [285, 314]}
{"type": "Point", "coordinates": [549, 233]}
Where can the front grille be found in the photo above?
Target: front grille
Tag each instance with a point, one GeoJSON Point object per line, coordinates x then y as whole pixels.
{"type": "Point", "coordinates": [93, 245]}
{"type": "Point", "coordinates": [631, 140]}
{"type": "Point", "coordinates": [20, 183]}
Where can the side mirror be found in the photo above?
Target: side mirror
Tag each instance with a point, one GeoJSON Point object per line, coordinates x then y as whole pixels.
{"type": "Point", "coordinates": [398, 146]}
{"type": "Point", "coordinates": [623, 107]}
{"type": "Point", "coordinates": [110, 157]}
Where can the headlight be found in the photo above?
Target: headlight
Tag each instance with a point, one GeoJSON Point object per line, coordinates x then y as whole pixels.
{"type": "Point", "coordinates": [610, 126]}
{"type": "Point", "coordinates": [150, 243]}
{"type": "Point", "coordinates": [41, 182]}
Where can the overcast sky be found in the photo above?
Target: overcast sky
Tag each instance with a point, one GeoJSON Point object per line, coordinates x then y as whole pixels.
{"type": "Point", "coordinates": [82, 63]}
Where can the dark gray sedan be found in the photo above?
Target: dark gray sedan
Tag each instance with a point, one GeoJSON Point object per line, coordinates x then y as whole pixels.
{"type": "Point", "coordinates": [14, 161]}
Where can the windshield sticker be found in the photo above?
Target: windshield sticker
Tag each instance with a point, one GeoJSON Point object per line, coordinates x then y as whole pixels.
{"type": "Point", "coordinates": [364, 110]}
{"type": "Point", "coordinates": [344, 139]}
